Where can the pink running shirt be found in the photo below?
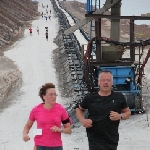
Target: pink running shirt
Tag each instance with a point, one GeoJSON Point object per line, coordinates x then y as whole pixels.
{"type": "Point", "coordinates": [45, 120]}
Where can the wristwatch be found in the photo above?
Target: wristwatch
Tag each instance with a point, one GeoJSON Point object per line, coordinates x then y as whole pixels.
{"type": "Point", "coordinates": [121, 116]}
{"type": "Point", "coordinates": [61, 130]}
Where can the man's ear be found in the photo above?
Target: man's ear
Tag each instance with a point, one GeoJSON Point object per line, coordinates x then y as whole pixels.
{"type": "Point", "coordinates": [98, 82]}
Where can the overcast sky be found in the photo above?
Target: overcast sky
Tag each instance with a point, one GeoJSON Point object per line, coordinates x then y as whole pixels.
{"type": "Point", "coordinates": [132, 7]}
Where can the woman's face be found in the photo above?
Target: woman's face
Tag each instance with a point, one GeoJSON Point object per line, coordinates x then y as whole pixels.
{"type": "Point", "coordinates": [50, 96]}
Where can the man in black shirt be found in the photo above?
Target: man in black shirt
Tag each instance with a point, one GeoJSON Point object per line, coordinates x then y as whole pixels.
{"type": "Point", "coordinates": [105, 109]}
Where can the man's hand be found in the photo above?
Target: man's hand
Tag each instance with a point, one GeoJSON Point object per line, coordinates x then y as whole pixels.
{"type": "Point", "coordinates": [114, 116]}
{"type": "Point", "coordinates": [87, 123]}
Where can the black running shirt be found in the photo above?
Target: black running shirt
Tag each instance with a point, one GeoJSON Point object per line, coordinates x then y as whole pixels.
{"type": "Point", "coordinates": [103, 129]}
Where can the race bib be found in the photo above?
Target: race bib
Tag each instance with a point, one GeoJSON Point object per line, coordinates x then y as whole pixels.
{"type": "Point", "coordinates": [37, 131]}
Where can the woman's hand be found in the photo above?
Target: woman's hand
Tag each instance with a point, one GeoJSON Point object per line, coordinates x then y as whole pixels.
{"type": "Point", "coordinates": [26, 137]}
{"type": "Point", "coordinates": [66, 129]}
{"type": "Point", "coordinates": [55, 129]}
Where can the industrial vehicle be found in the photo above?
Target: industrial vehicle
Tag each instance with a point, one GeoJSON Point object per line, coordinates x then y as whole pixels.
{"type": "Point", "coordinates": [123, 59]}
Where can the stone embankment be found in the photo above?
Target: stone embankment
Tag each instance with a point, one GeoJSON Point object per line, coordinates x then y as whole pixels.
{"type": "Point", "coordinates": [10, 79]}
{"type": "Point", "coordinates": [68, 63]}
{"type": "Point", "coordinates": [14, 18]}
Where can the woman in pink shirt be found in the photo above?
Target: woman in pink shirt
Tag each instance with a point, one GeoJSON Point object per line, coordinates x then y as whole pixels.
{"type": "Point", "coordinates": [49, 115]}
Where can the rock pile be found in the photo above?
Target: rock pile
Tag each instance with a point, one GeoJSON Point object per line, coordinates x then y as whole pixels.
{"type": "Point", "coordinates": [10, 77]}
{"type": "Point", "coordinates": [69, 73]}
{"type": "Point", "coordinates": [68, 63]}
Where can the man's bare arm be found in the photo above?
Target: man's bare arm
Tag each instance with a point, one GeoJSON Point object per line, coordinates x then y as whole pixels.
{"type": "Point", "coordinates": [80, 114]}
{"type": "Point", "coordinates": [126, 113]}
{"type": "Point", "coordinates": [87, 123]}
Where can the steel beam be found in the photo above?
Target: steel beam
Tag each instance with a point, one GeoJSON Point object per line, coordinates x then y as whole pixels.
{"type": "Point", "coordinates": [98, 34]}
{"type": "Point", "coordinates": [117, 17]}
{"type": "Point", "coordinates": [115, 23]}
{"type": "Point", "coordinates": [108, 4]}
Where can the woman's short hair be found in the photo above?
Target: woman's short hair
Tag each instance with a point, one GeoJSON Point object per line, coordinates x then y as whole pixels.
{"type": "Point", "coordinates": [44, 88]}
